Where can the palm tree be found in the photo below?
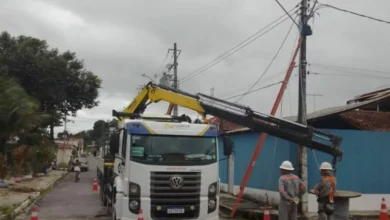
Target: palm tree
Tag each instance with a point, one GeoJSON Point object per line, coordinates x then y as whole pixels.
{"type": "Point", "coordinates": [18, 111]}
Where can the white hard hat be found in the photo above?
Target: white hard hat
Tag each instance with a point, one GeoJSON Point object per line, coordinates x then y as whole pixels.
{"type": "Point", "coordinates": [326, 166]}
{"type": "Point", "coordinates": [286, 165]}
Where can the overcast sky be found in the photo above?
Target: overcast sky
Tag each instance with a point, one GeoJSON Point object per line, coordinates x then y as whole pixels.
{"type": "Point", "coordinates": [120, 40]}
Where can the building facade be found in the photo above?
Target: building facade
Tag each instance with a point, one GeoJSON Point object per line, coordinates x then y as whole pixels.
{"type": "Point", "coordinates": [366, 146]}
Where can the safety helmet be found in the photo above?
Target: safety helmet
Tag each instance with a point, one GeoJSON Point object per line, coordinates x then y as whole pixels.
{"type": "Point", "coordinates": [326, 166]}
{"type": "Point", "coordinates": [286, 165]}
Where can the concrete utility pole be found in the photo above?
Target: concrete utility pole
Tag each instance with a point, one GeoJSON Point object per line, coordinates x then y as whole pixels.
{"type": "Point", "coordinates": [302, 151]}
{"type": "Point", "coordinates": [175, 84]}
{"type": "Point", "coordinates": [314, 99]}
{"type": "Point", "coordinates": [212, 92]}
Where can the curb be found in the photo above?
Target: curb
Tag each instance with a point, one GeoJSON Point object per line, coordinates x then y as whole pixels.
{"type": "Point", "coordinates": [27, 204]}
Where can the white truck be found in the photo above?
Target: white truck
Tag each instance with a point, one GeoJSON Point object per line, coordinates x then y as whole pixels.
{"type": "Point", "coordinates": [166, 168]}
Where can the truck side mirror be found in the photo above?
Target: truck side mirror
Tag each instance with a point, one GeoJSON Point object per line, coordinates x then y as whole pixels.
{"type": "Point", "coordinates": [114, 143]}
{"type": "Point", "coordinates": [227, 145]}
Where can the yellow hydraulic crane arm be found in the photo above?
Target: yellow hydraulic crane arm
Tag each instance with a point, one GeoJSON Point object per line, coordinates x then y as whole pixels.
{"type": "Point", "coordinates": [238, 114]}
{"type": "Point", "coordinates": [154, 93]}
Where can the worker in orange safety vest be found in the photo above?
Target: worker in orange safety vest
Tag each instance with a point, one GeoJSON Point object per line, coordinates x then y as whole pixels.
{"type": "Point", "coordinates": [325, 190]}
{"type": "Point", "coordinates": [290, 188]}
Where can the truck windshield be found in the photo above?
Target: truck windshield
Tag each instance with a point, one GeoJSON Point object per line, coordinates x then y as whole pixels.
{"type": "Point", "coordinates": [173, 150]}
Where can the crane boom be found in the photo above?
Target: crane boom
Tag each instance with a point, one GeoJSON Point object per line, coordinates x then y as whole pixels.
{"type": "Point", "coordinates": [239, 114]}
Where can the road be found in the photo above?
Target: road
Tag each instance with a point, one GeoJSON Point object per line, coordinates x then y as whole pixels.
{"type": "Point", "coordinates": [72, 201]}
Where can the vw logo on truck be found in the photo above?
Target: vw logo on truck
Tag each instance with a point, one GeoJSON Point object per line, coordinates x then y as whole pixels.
{"type": "Point", "coordinates": [176, 182]}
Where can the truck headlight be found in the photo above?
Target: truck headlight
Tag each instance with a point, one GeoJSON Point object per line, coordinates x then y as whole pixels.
{"type": "Point", "coordinates": [134, 190]}
{"type": "Point", "coordinates": [212, 189]}
{"type": "Point", "coordinates": [133, 205]}
{"type": "Point", "coordinates": [211, 204]}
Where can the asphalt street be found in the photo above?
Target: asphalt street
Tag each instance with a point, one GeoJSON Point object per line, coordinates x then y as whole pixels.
{"type": "Point", "coordinates": [69, 200]}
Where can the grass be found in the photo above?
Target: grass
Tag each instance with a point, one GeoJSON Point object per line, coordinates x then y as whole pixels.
{"type": "Point", "coordinates": [7, 210]}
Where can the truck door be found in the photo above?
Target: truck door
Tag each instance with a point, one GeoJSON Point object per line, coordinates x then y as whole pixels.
{"type": "Point", "coordinates": [120, 158]}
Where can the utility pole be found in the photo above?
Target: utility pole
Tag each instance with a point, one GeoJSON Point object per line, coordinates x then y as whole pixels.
{"type": "Point", "coordinates": [175, 84]}
{"type": "Point", "coordinates": [212, 92]}
{"type": "Point", "coordinates": [65, 121]}
{"type": "Point", "coordinates": [305, 31]}
{"type": "Point", "coordinates": [314, 95]}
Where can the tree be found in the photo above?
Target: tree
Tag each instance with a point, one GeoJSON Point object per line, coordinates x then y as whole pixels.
{"type": "Point", "coordinates": [58, 81]}
{"type": "Point", "coordinates": [19, 112]}
{"type": "Point", "coordinates": [62, 135]}
{"type": "Point", "coordinates": [86, 135]}
{"type": "Point", "coordinates": [99, 129]}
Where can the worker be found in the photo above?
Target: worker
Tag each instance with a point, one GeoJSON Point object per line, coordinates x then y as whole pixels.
{"type": "Point", "coordinates": [325, 190]}
{"type": "Point", "coordinates": [290, 188]}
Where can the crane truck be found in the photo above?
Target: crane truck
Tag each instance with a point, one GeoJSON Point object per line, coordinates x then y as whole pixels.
{"type": "Point", "coordinates": [167, 168]}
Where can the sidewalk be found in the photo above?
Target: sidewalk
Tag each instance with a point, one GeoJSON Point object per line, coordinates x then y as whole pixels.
{"type": "Point", "coordinates": [254, 210]}
{"type": "Point", "coordinates": [18, 196]}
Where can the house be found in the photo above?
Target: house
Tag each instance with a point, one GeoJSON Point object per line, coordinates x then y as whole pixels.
{"type": "Point", "coordinates": [364, 125]}
{"type": "Point", "coordinates": [66, 147]}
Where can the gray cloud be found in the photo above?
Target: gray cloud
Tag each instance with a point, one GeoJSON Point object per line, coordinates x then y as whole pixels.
{"type": "Point", "coordinates": [120, 40]}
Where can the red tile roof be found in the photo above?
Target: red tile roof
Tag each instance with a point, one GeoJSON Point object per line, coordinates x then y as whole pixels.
{"type": "Point", "coordinates": [368, 120]}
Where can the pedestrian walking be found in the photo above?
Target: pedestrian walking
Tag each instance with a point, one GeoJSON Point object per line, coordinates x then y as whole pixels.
{"type": "Point", "coordinates": [325, 190]}
{"type": "Point", "coordinates": [290, 188]}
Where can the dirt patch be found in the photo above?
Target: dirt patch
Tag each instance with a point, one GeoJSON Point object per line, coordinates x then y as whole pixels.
{"type": "Point", "coordinates": [4, 192]}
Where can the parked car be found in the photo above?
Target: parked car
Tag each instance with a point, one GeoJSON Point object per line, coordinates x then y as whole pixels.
{"type": "Point", "coordinates": [84, 164]}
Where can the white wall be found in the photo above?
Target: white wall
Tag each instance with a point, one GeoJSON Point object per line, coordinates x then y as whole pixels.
{"type": "Point", "coordinates": [63, 155]}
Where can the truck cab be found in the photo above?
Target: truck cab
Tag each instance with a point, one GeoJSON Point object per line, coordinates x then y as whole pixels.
{"type": "Point", "coordinates": [167, 169]}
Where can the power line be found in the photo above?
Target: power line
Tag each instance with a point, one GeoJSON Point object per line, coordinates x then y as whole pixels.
{"type": "Point", "coordinates": [287, 13]}
{"type": "Point", "coordinates": [312, 11]}
{"type": "Point", "coordinates": [348, 68]}
{"type": "Point", "coordinates": [248, 85]}
{"type": "Point", "coordinates": [234, 49]}
{"type": "Point", "coordinates": [255, 90]}
{"type": "Point", "coordinates": [161, 66]}
{"type": "Point", "coordinates": [354, 76]}
{"type": "Point", "coordinates": [270, 64]}
{"type": "Point", "coordinates": [354, 13]}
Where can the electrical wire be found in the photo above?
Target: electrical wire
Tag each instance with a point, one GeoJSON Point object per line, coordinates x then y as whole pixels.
{"type": "Point", "coordinates": [348, 68]}
{"type": "Point", "coordinates": [312, 11]}
{"type": "Point", "coordinates": [293, 20]}
{"type": "Point", "coordinates": [248, 85]}
{"type": "Point", "coordinates": [234, 49]}
{"type": "Point", "coordinates": [254, 90]}
{"type": "Point", "coordinates": [354, 13]}
{"type": "Point", "coordinates": [353, 76]}
{"type": "Point", "coordinates": [161, 66]}
{"type": "Point", "coordinates": [270, 64]}
{"type": "Point", "coordinates": [288, 83]}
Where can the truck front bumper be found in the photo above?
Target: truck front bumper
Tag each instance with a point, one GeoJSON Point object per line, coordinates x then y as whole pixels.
{"type": "Point", "coordinates": [123, 213]}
